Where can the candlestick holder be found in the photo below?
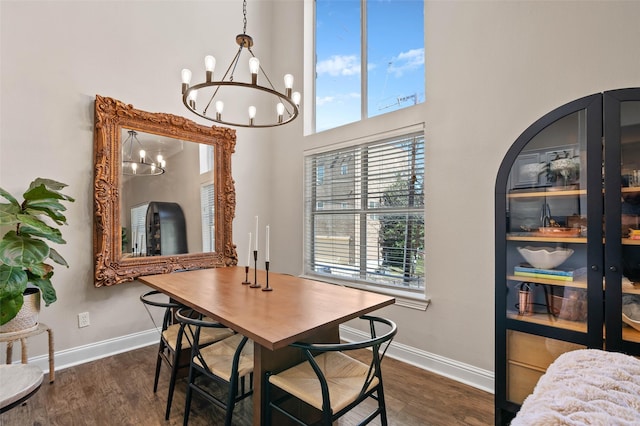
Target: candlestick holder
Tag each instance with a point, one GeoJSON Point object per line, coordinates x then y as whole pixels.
{"type": "Point", "coordinates": [246, 276]}
{"type": "Point", "coordinates": [255, 270]}
{"type": "Point", "coordinates": [267, 288]}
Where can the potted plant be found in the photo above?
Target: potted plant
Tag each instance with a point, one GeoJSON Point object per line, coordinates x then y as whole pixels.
{"type": "Point", "coordinates": [24, 249]}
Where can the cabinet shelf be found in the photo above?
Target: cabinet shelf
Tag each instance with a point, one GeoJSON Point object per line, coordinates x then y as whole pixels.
{"type": "Point", "coordinates": [630, 242]}
{"type": "Point", "coordinates": [630, 334]}
{"type": "Point", "coordinates": [549, 320]}
{"type": "Point", "coordinates": [533, 238]}
{"type": "Point", "coordinates": [579, 283]}
{"type": "Point", "coordinates": [566, 193]}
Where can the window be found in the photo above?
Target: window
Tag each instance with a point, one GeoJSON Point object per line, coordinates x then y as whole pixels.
{"type": "Point", "coordinates": [138, 242]}
{"type": "Point", "coordinates": [208, 218]}
{"type": "Point", "coordinates": [369, 59]}
{"type": "Point", "coordinates": [370, 228]}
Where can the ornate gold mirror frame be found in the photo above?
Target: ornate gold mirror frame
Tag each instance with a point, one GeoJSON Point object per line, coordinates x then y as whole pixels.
{"type": "Point", "coordinates": [111, 116]}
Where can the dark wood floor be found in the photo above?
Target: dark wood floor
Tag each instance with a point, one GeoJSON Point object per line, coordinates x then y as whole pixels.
{"type": "Point", "coordinates": [118, 390]}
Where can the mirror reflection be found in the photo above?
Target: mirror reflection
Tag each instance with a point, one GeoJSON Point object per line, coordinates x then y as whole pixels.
{"type": "Point", "coordinates": [166, 210]}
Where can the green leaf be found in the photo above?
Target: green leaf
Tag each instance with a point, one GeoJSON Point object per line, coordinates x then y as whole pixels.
{"type": "Point", "coordinates": [46, 288]}
{"type": "Point", "coordinates": [13, 279]}
{"type": "Point", "coordinates": [55, 256]}
{"type": "Point", "coordinates": [9, 197]}
{"type": "Point", "coordinates": [52, 234]}
{"type": "Point", "coordinates": [8, 214]}
{"type": "Point", "coordinates": [39, 270]}
{"type": "Point", "coordinates": [46, 188]}
{"type": "Point", "coordinates": [23, 251]}
{"type": "Point", "coordinates": [10, 305]}
{"type": "Point", "coordinates": [51, 208]}
{"type": "Point", "coordinates": [13, 282]}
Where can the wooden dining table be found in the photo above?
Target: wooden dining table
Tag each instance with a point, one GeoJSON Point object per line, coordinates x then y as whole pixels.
{"type": "Point", "coordinates": [296, 309]}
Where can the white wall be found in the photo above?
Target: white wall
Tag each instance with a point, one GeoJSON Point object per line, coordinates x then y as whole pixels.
{"type": "Point", "coordinates": [492, 68]}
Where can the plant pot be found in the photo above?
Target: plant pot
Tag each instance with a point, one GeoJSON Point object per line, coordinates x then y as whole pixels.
{"type": "Point", "coordinates": [27, 318]}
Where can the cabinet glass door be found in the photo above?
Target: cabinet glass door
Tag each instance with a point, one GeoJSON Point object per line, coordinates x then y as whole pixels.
{"type": "Point", "coordinates": [546, 200]}
{"type": "Point", "coordinates": [622, 134]}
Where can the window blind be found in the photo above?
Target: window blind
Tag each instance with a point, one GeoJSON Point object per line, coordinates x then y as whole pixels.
{"type": "Point", "coordinates": [208, 217]}
{"type": "Point", "coordinates": [364, 213]}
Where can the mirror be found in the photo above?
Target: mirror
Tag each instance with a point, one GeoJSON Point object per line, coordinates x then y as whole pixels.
{"type": "Point", "coordinates": [186, 234]}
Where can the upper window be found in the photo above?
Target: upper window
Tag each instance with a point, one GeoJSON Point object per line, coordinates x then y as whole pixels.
{"type": "Point", "coordinates": [367, 226]}
{"type": "Point", "coordinates": [369, 59]}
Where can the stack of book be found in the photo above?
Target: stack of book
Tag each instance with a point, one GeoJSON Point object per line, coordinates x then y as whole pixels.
{"type": "Point", "coordinates": [526, 270]}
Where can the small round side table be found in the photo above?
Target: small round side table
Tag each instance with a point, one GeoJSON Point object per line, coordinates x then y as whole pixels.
{"type": "Point", "coordinates": [23, 336]}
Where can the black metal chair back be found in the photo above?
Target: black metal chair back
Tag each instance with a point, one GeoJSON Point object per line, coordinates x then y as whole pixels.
{"type": "Point", "coordinates": [342, 381]}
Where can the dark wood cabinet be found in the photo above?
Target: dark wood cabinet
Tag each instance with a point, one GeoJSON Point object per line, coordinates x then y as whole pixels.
{"type": "Point", "coordinates": [571, 181]}
{"type": "Point", "coordinates": [166, 229]}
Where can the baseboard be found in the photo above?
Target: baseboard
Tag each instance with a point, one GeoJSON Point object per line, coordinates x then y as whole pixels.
{"type": "Point", "coordinates": [461, 372]}
{"type": "Point", "coordinates": [455, 370]}
{"type": "Point", "coordinates": [81, 354]}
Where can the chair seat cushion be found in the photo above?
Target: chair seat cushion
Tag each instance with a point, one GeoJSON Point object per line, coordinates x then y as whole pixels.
{"type": "Point", "coordinates": [219, 357]}
{"type": "Point", "coordinates": [17, 381]}
{"type": "Point", "coordinates": [207, 335]}
{"type": "Point", "coordinates": [345, 377]}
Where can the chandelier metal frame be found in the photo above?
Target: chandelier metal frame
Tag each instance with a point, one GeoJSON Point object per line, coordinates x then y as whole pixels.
{"type": "Point", "coordinates": [289, 101]}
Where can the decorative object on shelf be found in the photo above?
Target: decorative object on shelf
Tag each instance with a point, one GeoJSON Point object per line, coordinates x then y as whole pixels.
{"type": "Point", "coordinates": [227, 88]}
{"type": "Point", "coordinates": [631, 310]}
{"type": "Point", "coordinates": [23, 251]}
{"type": "Point", "coordinates": [136, 163]}
{"type": "Point", "coordinates": [572, 306]}
{"type": "Point", "coordinates": [525, 307]}
{"type": "Point", "coordinates": [545, 257]}
{"type": "Point", "coordinates": [526, 270]}
{"type": "Point", "coordinates": [562, 167]}
{"type": "Point", "coordinates": [558, 231]}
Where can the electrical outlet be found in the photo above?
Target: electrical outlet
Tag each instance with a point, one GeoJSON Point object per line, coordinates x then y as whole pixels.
{"type": "Point", "coordinates": [83, 319]}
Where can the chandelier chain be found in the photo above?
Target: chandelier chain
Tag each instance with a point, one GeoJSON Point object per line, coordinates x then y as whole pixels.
{"type": "Point", "coordinates": [244, 13]}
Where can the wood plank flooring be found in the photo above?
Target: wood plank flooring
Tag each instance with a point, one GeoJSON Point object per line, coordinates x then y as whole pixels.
{"type": "Point", "coordinates": [118, 390]}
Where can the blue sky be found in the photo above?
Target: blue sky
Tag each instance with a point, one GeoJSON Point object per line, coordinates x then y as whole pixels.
{"type": "Point", "coordinates": [395, 58]}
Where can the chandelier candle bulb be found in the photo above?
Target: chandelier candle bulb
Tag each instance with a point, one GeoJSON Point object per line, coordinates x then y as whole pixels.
{"type": "Point", "coordinates": [288, 84]}
{"type": "Point", "coordinates": [252, 114]}
{"type": "Point", "coordinates": [193, 95]}
{"type": "Point", "coordinates": [280, 111]}
{"type": "Point", "coordinates": [296, 98]}
{"type": "Point", "coordinates": [186, 79]}
{"type": "Point", "coordinates": [254, 67]}
{"type": "Point", "coordinates": [209, 66]}
{"type": "Point", "coordinates": [219, 108]}
{"type": "Point", "coordinates": [142, 155]}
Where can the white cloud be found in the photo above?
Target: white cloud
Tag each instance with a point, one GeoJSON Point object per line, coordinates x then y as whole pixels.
{"type": "Point", "coordinates": [344, 65]}
{"type": "Point", "coordinates": [337, 99]}
{"type": "Point", "coordinates": [407, 61]}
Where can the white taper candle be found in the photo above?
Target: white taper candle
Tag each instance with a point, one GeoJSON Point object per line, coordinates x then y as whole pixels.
{"type": "Point", "coordinates": [267, 246]}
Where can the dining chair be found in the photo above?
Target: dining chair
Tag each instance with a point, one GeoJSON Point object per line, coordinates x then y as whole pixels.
{"type": "Point", "coordinates": [173, 342]}
{"type": "Point", "coordinates": [228, 362]}
{"type": "Point", "coordinates": [331, 380]}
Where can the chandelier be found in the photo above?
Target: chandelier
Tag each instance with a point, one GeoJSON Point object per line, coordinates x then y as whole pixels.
{"type": "Point", "coordinates": [283, 106]}
{"type": "Point", "coordinates": [136, 163]}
